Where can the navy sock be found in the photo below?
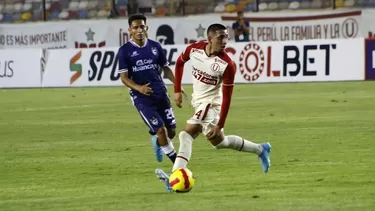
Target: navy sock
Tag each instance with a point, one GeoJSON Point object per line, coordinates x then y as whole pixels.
{"type": "Point", "coordinates": [172, 156]}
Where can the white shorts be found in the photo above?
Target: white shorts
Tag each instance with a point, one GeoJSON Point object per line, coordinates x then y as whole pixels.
{"type": "Point", "coordinates": [205, 115]}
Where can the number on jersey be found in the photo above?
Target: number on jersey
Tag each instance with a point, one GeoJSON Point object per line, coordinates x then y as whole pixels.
{"type": "Point", "coordinates": [198, 114]}
{"type": "Point", "coordinates": [169, 113]}
{"type": "Point", "coordinates": [202, 113]}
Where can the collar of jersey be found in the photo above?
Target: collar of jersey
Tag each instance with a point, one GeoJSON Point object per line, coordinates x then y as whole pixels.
{"type": "Point", "coordinates": [136, 45]}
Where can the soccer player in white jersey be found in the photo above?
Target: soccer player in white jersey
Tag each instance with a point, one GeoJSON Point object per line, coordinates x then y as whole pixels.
{"type": "Point", "coordinates": [213, 81]}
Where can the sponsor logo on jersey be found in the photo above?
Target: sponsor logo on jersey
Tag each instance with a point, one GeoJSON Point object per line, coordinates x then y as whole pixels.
{"type": "Point", "coordinates": [144, 64]}
{"type": "Point", "coordinates": [204, 77]}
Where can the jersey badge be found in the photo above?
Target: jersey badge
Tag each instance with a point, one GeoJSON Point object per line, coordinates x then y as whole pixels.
{"type": "Point", "coordinates": [154, 121]}
{"type": "Point", "coordinates": [215, 67]}
{"type": "Point", "coordinates": [154, 51]}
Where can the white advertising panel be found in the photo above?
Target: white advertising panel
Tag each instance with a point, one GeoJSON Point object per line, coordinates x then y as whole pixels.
{"type": "Point", "coordinates": [299, 61]}
{"type": "Point", "coordinates": [287, 26]}
{"type": "Point", "coordinates": [92, 67]}
{"type": "Point", "coordinates": [20, 68]}
{"type": "Point", "coordinates": [256, 62]}
{"type": "Point", "coordinates": [34, 35]}
{"type": "Point", "coordinates": [302, 26]}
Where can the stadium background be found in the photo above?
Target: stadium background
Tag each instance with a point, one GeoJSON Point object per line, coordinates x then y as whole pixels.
{"type": "Point", "coordinates": [49, 10]}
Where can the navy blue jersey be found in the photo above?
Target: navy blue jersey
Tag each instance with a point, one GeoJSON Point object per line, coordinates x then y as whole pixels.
{"type": "Point", "coordinates": [143, 64]}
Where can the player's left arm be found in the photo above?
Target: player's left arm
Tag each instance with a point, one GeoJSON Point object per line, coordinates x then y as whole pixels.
{"type": "Point", "coordinates": [228, 85]}
{"type": "Point", "coordinates": [168, 73]}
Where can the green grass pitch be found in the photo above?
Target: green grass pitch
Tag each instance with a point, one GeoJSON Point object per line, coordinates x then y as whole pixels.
{"type": "Point", "coordinates": [88, 149]}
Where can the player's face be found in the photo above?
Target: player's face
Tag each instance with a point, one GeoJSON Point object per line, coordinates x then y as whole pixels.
{"type": "Point", "coordinates": [219, 40]}
{"type": "Point", "coordinates": [138, 30]}
{"type": "Point", "coordinates": [240, 16]}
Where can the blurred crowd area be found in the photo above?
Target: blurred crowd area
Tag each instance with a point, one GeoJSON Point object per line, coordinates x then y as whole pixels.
{"type": "Point", "coordinates": [18, 11]}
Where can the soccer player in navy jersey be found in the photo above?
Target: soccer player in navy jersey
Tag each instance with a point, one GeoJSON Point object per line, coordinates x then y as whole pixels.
{"type": "Point", "coordinates": [141, 61]}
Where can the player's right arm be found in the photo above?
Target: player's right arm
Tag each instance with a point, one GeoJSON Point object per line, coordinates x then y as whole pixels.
{"type": "Point", "coordinates": [124, 75]}
{"type": "Point", "coordinates": [179, 70]}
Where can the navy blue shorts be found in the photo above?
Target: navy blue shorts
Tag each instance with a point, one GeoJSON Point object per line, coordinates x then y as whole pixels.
{"type": "Point", "coordinates": [156, 113]}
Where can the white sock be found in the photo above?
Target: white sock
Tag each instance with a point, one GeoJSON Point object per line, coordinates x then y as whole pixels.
{"type": "Point", "coordinates": [169, 148]}
{"type": "Point", "coordinates": [184, 153]}
{"type": "Point", "coordinates": [240, 144]}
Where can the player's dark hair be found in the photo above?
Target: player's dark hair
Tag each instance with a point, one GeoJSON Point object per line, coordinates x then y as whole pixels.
{"type": "Point", "coordinates": [239, 12]}
{"type": "Point", "coordinates": [214, 27]}
{"type": "Point", "coordinates": [136, 17]}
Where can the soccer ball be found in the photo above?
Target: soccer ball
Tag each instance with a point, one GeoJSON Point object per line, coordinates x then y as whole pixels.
{"type": "Point", "coordinates": [181, 180]}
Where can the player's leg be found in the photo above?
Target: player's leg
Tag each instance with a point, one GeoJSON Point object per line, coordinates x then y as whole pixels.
{"type": "Point", "coordinates": [171, 132]}
{"type": "Point", "coordinates": [190, 132]}
{"type": "Point", "coordinates": [156, 127]}
{"type": "Point", "coordinates": [157, 149]}
{"type": "Point", "coordinates": [145, 110]}
{"type": "Point", "coordinates": [186, 137]}
{"type": "Point", "coordinates": [165, 111]}
{"type": "Point", "coordinates": [170, 151]}
{"type": "Point", "coordinates": [165, 143]}
{"type": "Point", "coordinates": [238, 143]}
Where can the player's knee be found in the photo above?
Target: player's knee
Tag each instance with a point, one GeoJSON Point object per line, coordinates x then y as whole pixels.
{"type": "Point", "coordinates": [171, 133]}
{"type": "Point", "coordinates": [223, 143]}
{"type": "Point", "coordinates": [162, 136]}
{"type": "Point", "coordinates": [193, 130]}
{"type": "Point", "coordinates": [161, 132]}
{"type": "Point", "coordinates": [184, 136]}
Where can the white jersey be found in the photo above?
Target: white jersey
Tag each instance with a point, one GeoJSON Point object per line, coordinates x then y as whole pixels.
{"type": "Point", "coordinates": [208, 74]}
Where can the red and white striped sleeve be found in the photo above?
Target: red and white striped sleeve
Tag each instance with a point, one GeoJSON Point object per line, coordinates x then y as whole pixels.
{"type": "Point", "coordinates": [228, 85]}
{"type": "Point", "coordinates": [179, 67]}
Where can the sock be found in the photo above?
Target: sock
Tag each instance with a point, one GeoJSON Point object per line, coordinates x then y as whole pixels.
{"type": "Point", "coordinates": [184, 152]}
{"type": "Point", "coordinates": [169, 151]}
{"type": "Point", "coordinates": [240, 144]}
